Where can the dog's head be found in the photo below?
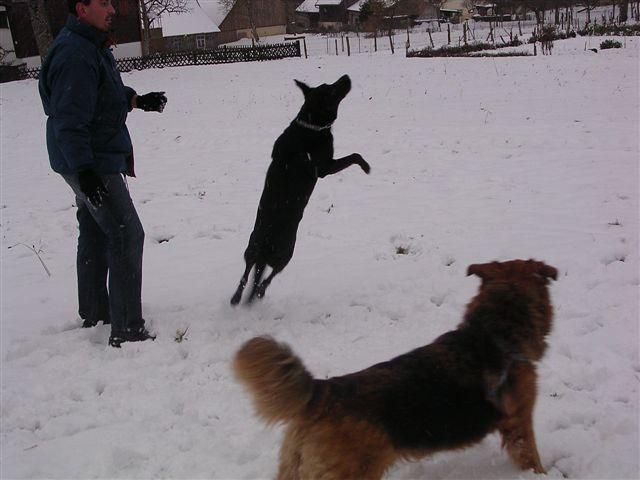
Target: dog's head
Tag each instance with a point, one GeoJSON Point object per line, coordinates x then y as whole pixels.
{"type": "Point", "coordinates": [514, 304]}
{"type": "Point", "coordinates": [518, 271]}
{"type": "Point", "coordinates": [321, 103]}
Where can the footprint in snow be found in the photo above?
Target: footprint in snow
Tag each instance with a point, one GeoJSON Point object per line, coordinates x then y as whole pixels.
{"type": "Point", "coordinates": [614, 257]}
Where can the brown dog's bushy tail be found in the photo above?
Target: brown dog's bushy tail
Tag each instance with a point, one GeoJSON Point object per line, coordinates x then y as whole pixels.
{"type": "Point", "coordinates": [280, 384]}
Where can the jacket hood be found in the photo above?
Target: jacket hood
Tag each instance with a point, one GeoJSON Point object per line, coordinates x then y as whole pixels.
{"type": "Point", "coordinates": [95, 36]}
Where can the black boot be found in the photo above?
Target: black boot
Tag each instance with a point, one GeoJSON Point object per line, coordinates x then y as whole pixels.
{"type": "Point", "coordinates": [92, 323]}
{"type": "Point", "coordinates": [130, 335]}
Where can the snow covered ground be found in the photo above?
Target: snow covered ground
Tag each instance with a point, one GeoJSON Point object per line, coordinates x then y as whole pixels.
{"type": "Point", "coordinates": [473, 160]}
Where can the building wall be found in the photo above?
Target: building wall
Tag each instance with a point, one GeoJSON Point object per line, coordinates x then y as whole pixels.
{"type": "Point", "coordinates": [266, 13]}
{"type": "Point", "coordinates": [126, 26]}
{"type": "Point", "coordinates": [181, 43]}
{"type": "Point", "coordinates": [6, 40]}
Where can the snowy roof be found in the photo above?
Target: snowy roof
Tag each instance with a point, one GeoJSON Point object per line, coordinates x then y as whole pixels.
{"type": "Point", "coordinates": [308, 6]}
{"type": "Point", "coordinates": [357, 6]}
{"type": "Point", "coordinates": [214, 10]}
{"type": "Point", "coordinates": [329, 2]}
{"type": "Point", "coordinates": [452, 5]}
{"type": "Point", "coordinates": [188, 23]}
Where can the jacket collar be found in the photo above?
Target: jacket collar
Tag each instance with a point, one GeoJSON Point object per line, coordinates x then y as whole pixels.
{"type": "Point", "coordinates": [98, 38]}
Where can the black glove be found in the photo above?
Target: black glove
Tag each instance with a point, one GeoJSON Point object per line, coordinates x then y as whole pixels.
{"type": "Point", "coordinates": [152, 102]}
{"type": "Point", "coordinates": [91, 185]}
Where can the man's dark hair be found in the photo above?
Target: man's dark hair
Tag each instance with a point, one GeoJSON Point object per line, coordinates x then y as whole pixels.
{"type": "Point", "coordinates": [72, 5]}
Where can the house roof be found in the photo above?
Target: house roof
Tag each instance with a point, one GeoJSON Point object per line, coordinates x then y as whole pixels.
{"type": "Point", "coordinates": [308, 6]}
{"type": "Point", "coordinates": [214, 10]}
{"type": "Point", "coordinates": [452, 5]}
{"type": "Point", "coordinates": [357, 6]}
{"type": "Point", "coordinates": [329, 2]}
{"type": "Point", "coordinates": [188, 23]}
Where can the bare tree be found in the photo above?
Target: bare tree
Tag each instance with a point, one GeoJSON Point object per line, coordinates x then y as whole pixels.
{"type": "Point", "coordinates": [226, 5]}
{"type": "Point", "coordinates": [152, 9]}
{"type": "Point", "coordinates": [40, 25]}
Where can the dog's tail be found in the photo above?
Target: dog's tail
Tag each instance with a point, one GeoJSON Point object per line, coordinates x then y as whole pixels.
{"type": "Point", "coordinates": [280, 384]}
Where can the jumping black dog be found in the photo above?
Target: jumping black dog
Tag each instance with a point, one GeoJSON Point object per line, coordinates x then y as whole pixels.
{"type": "Point", "coordinates": [300, 155]}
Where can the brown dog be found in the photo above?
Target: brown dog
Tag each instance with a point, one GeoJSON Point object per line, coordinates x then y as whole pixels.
{"type": "Point", "coordinates": [450, 394]}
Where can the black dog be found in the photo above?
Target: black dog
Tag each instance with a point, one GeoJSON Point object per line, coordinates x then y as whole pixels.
{"type": "Point", "coordinates": [300, 155]}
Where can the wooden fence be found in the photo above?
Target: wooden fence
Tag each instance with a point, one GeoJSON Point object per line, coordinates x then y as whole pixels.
{"type": "Point", "coordinates": [256, 53]}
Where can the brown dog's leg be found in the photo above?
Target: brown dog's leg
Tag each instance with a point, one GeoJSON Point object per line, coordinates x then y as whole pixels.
{"type": "Point", "coordinates": [290, 456]}
{"type": "Point", "coordinates": [517, 428]}
{"type": "Point", "coordinates": [346, 449]}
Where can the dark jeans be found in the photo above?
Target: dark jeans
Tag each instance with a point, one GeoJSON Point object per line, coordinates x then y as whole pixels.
{"type": "Point", "coordinates": [110, 247]}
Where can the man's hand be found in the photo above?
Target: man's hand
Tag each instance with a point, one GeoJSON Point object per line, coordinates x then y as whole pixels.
{"type": "Point", "coordinates": [152, 102]}
{"type": "Point", "coordinates": [91, 185]}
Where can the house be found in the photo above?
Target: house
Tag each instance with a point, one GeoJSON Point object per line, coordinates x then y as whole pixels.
{"type": "Point", "coordinates": [455, 11]}
{"type": "Point", "coordinates": [20, 40]}
{"type": "Point", "coordinates": [268, 17]}
{"type": "Point", "coordinates": [186, 31]}
{"type": "Point", "coordinates": [353, 13]}
{"type": "Point", "coordinates": [307, 14]}
{"type": "Point", "coordinates": [490, 12]}
{"type": "Point", "coordinates": [333, 13]}
{"type": "Point", "coordinates": [401, 12]}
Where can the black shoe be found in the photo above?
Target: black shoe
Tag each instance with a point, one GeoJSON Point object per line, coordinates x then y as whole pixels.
{"type": "Point", "coordinates": [93, 323]}
{"type": "Point", "coordinates": [130, 335]}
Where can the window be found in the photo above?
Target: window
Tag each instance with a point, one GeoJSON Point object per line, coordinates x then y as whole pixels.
{"type": "Point", "coordinates": [201, 42]}
{"type": "Point", "coordinates": [176, 43]}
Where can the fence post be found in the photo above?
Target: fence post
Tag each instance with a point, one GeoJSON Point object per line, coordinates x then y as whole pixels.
{"type": "Point", "coordinates": [304, 42]}
{"type": "Point", "coordinates": [448, 34]}
{"type": "Point", "coordinates": [348, 48]}
{"type": "Point", "coordinates": [408, 39]}
{"type": "Point", "coordinates": [336, 46]}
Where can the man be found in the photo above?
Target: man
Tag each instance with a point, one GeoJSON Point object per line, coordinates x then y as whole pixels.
{"type": "Point", "coordinates": [90, 147]}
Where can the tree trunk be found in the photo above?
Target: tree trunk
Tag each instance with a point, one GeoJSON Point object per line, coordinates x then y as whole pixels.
{"type": "Point", "coordinates": [624, 11]}
{"type": "Point", "coordinates": [40, 26]}
{"type": "Point", "coordinates": [252, 23]}
{"type": "Point", "coordinates": [146, 29]}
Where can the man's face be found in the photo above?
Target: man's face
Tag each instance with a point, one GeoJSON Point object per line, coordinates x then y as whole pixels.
{"type": "Point", "coordinates": [99, 14]}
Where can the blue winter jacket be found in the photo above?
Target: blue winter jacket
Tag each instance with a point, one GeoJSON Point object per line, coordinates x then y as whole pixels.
{"type": "Point", "coordinates": [86, 102]}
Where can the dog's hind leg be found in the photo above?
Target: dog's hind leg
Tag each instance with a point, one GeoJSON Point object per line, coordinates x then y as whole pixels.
{"type": "Point", "coordinates": [290, 456]}
{"type": "Point", "coordinates": [243, 283]}
{"type": "Point", "coordinates": [262, 288]}
{"type": "Point", "coordinates": [257, 278]}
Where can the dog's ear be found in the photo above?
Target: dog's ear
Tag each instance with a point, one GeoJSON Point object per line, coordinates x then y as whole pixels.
{"type": "Point", "coordinates": [547, 271]}
{"type": "Point", "coordinates": [476, 269]}
{"type": "Point", "coordinates": [303, 86]}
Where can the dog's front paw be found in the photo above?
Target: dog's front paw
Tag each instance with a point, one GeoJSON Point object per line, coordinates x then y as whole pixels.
{"type": "Point", "coordinates": [364, 165]}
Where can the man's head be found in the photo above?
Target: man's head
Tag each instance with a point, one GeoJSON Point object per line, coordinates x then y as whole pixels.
{"type": "Point", "coordinates": [97, 13]}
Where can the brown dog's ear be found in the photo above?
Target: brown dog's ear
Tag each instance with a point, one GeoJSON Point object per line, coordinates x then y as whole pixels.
{"type": "Point", "coordinates": [548, 271]}
{"type": "Point", "coordinates": [476, 269]}
{"type": "Point", "coordinates": [303, 86]}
